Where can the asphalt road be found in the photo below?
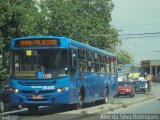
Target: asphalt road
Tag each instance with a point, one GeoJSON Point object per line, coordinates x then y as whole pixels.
{"type": "Point", "coordinates": [147, 107]}
{"type": "Point", "coordinates": [150, 108]}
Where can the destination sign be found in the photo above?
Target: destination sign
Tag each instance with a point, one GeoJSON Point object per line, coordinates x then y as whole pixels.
{"type": "Point", "coordinates": [37, 42]}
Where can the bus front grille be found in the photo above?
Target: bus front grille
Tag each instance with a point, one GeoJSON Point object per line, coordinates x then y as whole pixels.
{"type": "Point", "coordinates": [39, 92]}
{"type": "Point", "coordinates": [36, 83]}
{"type": "Point", "coordinates": [37, 99]}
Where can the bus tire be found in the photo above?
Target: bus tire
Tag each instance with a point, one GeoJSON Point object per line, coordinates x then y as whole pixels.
{"type": "Point", "coordinates": [2, 106]}
{"type": "Point", "coordinates": [81, 98]}
{"type": "Point", "coordinates": [80, 104]}
{"type": "Point", "coordinates": [105, 101]}
{"type": "Point", "coordinates": [18, 107]}
{"type": "Point", "coordinates": [33, 109]}
{"type": "Point", "coordinates": [82, 93]}
{"type": "Point", "coordinates": [117, 95]}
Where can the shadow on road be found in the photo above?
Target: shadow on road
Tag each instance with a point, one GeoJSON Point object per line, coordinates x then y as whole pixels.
{"type": "Point", "coordinates": [53, 110]}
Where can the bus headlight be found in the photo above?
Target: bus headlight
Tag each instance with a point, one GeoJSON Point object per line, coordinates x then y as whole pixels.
{"type": "Point", "coordinates": [63, 89]}
{"type": "Point", "coordinates": [14, 90]}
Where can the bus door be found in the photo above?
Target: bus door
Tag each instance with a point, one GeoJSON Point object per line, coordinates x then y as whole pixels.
{"type": "Point", "coordinates": [73, 73]}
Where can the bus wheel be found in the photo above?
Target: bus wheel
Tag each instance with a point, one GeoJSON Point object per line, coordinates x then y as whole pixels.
{"type": "Point", "coordinates": [2, 106]}
{"type": "Point", "coordinates": [80, 104]}
{"type": "Point", "coordinates": [33, 109]}
{"type": "Point", "coordinates": [93, 102]}
{"type": "Point", "coordinates": [19, 107]}
{"type": "Point", "coordinates": [106, 96]}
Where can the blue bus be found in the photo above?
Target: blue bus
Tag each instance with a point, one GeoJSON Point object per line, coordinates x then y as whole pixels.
{"type": "Point", "coordinates": [50, 70]}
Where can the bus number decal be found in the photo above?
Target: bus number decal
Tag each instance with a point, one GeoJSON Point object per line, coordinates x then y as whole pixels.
{"type": "Point", "coordinates": [48, 87]}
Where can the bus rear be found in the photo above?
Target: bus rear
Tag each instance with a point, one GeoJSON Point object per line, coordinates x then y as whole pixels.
{"type": "Point", "coordinates": [39, 72]}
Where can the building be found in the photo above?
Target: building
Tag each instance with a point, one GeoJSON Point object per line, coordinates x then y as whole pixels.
{"type": "Point", "coordinates": [151, 67]}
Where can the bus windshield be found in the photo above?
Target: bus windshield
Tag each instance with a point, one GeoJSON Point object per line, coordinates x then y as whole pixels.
{"type": "Point", "coordinates": [39, 63]}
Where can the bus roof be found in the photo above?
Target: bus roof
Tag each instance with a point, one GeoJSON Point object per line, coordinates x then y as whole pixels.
{"type": "Point", "coordinates": [83, 45]}
{"type": "Point", "coordinates": [68, 40]}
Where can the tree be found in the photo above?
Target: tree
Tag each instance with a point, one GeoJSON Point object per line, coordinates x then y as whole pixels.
{"type": "Point", "coordinates": [83, 20]}
{"type": "Point", "coordinates": [123, 57]}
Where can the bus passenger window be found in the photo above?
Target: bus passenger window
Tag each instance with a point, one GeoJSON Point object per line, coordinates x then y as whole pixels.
{"type": "Point", "coordinates": [73, 58]}
{"type": "Point", "coordinates": [104, 59]}
{"type": "Point", "coordinates": [89, 66]}
{"type": "Point", "coordinates": [112, 65]}
{"type": "Point", "coordinates": [109, 64]}
{"type": "Point", "coordinates": [82, 65]}
{"type": "Point", "coordinates": [89, 56]}
{"type": "Point", "coordinates": [97, 67]}
{"type": "Point", "coordinates": [73, 61]}
{"type": "Point", "coordinates": [95, 57]}
{"type": "Point", "coordinates": [81, 54]}
{"type": "Point", "coordinates": [107, 68]}
{"type": "Point", "coordinates": [100, 59]}
{"type": "Point", "coordinates": [103, 68]}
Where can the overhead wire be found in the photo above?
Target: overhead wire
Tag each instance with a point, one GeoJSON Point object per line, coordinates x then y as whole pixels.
{"type": "Point", "coordinates": [139, 25]}
{"type": "Point", "coordinates": [139, 35]}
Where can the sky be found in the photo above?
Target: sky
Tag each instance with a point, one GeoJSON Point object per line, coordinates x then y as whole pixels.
{"type": "Point", "coordinates": [141, 20]}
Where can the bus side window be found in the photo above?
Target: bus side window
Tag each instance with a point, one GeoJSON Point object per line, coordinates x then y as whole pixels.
{"type": "Point", "coordinates": [107, 64]}
{"type": "Point", "coordinates": [73, 60]}
{"type": "Point", "coordinates": [89, 66]}
{"type": "Point", "coordinates": [82, 65]}
{"type": "Point", "coordinates": [109, 61]}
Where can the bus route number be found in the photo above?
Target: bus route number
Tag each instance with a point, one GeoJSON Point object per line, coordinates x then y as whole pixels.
{"type": "Point", "coordinates": [48, 87]}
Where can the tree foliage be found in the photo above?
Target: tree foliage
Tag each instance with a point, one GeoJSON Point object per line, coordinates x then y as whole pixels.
{"type": "Point", "coordinates": [124, 57]}
{"type": "Point", "coordinates": [83, 20]}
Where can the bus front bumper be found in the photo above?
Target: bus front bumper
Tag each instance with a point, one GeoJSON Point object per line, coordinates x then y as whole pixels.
{"type": "Point", "coordinates": [46, 99]}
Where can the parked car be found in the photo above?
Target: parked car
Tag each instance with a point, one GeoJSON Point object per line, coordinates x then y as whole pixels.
{"type": "Point", "coordinates": [4, 98]}
{"type": "Point", "coordinates": [140, 86]}
{"type": "Point", "coordinates": [125, 88]}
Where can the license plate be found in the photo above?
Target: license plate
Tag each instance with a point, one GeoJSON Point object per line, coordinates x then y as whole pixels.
{"type": "Point", "coordinates": [37, 97]}
{"type": "Point", "coordinates": [122, 93]}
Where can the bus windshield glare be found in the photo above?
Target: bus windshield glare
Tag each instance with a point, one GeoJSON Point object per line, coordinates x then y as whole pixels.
{"type": "Point", "coordinates": [39, 64]}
